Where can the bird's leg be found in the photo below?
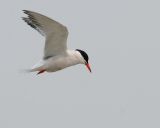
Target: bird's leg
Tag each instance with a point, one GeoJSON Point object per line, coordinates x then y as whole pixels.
{"type": "Point", "coordinates": [41, 71]}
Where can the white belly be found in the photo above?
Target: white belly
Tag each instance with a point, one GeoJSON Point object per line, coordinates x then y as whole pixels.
{"type": "Point", "coordinates": [57, 63]}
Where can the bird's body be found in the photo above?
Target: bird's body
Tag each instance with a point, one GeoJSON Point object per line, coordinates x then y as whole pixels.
{"type": "Point", "coordinates": [56, 55]}
{"type": "Point", "coordinates": [55, 63]}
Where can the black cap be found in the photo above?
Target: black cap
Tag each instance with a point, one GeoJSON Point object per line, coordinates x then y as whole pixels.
{"type": "Point", "coordinates": [84, 54]}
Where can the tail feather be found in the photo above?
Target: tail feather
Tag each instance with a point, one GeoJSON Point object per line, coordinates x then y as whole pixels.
{"type": "Point", "coordinates": [39, 70]}
{"type": "Point", "coordinates": [39, 67]}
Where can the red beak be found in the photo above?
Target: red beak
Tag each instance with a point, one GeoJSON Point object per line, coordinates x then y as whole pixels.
{"type": "Point", "coordinates": [88, 67]}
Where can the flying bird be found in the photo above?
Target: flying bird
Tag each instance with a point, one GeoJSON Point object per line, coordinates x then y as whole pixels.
{"type": "Point", "coordinates": [56, 54]}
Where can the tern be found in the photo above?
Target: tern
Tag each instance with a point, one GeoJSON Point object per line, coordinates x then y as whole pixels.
{"type": "Point", "coordinates": [56, 54]}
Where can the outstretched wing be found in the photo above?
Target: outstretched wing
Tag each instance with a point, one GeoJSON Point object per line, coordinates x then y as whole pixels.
{"type": "Point", "coordinates": [55, 33]}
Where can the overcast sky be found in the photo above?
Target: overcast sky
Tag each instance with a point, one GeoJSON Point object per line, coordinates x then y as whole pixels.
{"type": "Point", "coordinates": [122, 39]}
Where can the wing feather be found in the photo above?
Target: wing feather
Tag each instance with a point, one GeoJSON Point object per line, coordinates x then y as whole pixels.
{"type": "Point", "coordinates": [55, 33]}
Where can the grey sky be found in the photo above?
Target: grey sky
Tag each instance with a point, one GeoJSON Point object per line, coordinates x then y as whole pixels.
{"type": "Point", "coordinates": [122, 39]}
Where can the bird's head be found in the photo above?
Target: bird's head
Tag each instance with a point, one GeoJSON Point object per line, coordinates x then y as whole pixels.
{"type": "Point", "coordinates": [85, 58]}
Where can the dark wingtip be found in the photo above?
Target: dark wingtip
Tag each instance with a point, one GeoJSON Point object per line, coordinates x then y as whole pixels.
{"type": "Point", "coordinates": [25, 11]}
{"type": "Point", "coordinates": [23, 18]}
